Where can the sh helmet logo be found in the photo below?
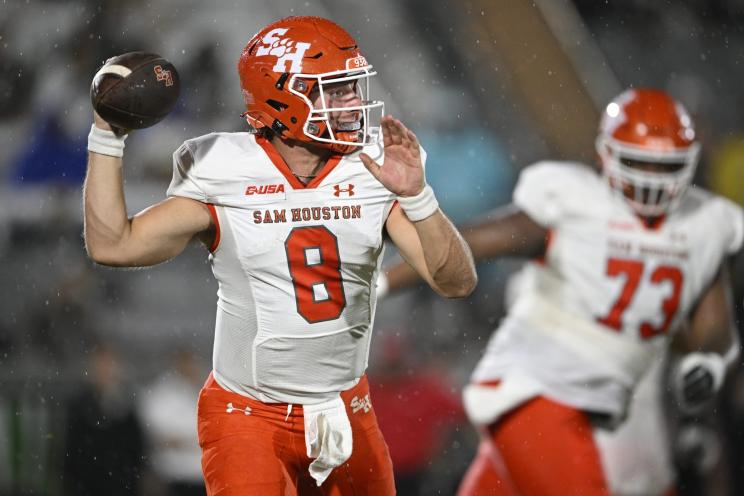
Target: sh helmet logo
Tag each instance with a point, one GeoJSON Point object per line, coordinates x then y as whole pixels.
{"type": "Point", "coordinates": [286, 51]}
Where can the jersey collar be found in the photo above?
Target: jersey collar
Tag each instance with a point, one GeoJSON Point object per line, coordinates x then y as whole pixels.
{"type": "Point", "coordinates": [282, 166]}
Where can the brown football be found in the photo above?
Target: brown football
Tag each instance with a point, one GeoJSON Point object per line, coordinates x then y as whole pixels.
{"type": "Point", "coordinates": [135, 90]}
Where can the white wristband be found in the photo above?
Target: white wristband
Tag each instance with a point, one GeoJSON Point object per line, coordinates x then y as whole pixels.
{"type": "Point", "coordinates": [713, 362]}
{"type": "Point", "coordinates": [105, 142]}
{"type": "Point", "coordinates": [421, 206]}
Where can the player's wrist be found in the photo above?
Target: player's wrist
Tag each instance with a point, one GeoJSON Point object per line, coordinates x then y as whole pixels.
{"type": "Point", "coordinates": [697, 378]}
{"type": "Point", "coordinates": [420, 206]}
{"type": "Point", "coordinates": [105, 142]}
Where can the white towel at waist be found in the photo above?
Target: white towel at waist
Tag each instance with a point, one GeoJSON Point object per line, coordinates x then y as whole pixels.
{"type": "Point", "coordinates": [328, 437]}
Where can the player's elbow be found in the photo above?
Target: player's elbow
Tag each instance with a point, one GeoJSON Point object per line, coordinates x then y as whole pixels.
{"type": "Point", "coordinates": [107, 256]}
{"type": "Point", "coordinates": [101, 257]}
{"type": "Point", "coordinates": [460, 287]}
{"type": "Point", "coordinates": [468, 285]}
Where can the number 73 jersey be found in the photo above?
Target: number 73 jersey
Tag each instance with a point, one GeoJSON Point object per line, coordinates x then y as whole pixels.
{"type": "Point", "coordinates": [589, 318]}
{"type": "Point", "coordinates": [295, 264]}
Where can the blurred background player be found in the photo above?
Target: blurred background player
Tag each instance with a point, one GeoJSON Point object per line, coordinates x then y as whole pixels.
{"type": "Point", "coordinates": [293, 215]}
{"type": "Point", "coordinates": [166, 407]}
{"type": "Point", "coordinates": [625, 262]}
{"type": "Point", "coordinates": [104, 442]}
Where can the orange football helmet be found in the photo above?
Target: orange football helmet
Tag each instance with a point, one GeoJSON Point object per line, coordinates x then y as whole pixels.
{"type": "Point", "coordinates": [290, 62]}
{"type": "Point", "coordinates": [648, 126]}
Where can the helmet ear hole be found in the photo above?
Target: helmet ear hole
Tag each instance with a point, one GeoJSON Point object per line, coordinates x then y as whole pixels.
{"type": "Point", "coordinates": [278, 127]}
{"type": "Point", "coordinates": [276, 105]}
{"type": "Point", "coordinates": [299, 85]}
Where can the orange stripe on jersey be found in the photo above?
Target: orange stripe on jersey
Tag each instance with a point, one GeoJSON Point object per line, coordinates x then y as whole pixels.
{"type": "Point", "coordinates": [217, 235]}
{"type": "Point", "coordinates": [282, 166]}
{"type": "Point", "coordinates": [279, 162]}
{"type": "Point", "coordinates": [396, 204]}
{"type": "Point", "coordinates": [327, 168]}
{"type": "Point", "coordinates": [548, 241]}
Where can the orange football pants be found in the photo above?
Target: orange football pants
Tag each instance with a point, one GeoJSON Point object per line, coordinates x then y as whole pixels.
{"type": "Point", "coordinates": [254, 448]}
{"type": "Point", "coordinates": [541, 448]}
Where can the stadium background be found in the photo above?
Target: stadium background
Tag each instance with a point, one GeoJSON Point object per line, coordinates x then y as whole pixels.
{"type": "Point", "coordinates": [489, 87]}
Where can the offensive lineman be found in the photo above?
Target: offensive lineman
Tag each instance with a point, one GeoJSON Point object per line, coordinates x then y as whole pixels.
{"type": "Point", "coordinates": [293, 215]}
{"type": "Point", "coordinates": [626, 261]}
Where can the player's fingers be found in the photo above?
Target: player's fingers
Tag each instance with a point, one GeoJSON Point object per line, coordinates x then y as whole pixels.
{"type": "Point", "coordinates": [402, 131]}
{"type": "Point", "coordinates": [408, 139]}
{"type": "Point", "coordinates": [412, 138]}
{"type": "Point", "coordinates": [396, 132]}
{"type": "Point", "coordinates": [412, 143]}
{"type": "Point", "coordinates": [120, 131]}
{"type": "Point", "coordinates": [100, 123]}
{"type": "Point", "coordinates": [385, 125]}
{"type": "Point", "coordinates": [372, 166]}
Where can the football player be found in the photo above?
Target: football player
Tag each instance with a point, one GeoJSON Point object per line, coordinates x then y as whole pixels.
{"type": "Point", "coordinates": [625, 262]}
{"type": "Point", "coordinates": [293, 214]}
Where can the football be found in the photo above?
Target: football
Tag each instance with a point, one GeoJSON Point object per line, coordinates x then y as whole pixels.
{"type": "Point", "coordinates": [135, 90]}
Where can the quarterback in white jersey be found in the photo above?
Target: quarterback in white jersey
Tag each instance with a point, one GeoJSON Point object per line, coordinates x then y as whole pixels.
{"type": "Point", "coordinates": [294, 264]}
{"type": "Point", "coordinates": [626, 261]}
{"type": "Point", "coordinates": [294, 215]}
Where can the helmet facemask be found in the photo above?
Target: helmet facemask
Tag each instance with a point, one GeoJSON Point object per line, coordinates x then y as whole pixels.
{"type": "Point", "coordinates": [322, 124]}
{"type": "Point", "coordinates": [650, 194]}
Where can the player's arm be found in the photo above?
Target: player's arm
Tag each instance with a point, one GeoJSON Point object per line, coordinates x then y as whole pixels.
{"type": "Point", "coordinates": [152, 236]}
{"type": "Point", "coordinates": [424, 236]}
{"type": "Point", "coordinates": [710, 344]}
{"type": "Point", "coordinates": [711, 324]}
{"type": "Point", "coordinates": [506, 231]}
{"type": "Point", "coordinates": [435, 251]}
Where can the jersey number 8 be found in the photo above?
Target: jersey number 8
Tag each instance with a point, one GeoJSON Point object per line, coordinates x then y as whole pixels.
{"type": "Point", "coordinates": [312, 253]}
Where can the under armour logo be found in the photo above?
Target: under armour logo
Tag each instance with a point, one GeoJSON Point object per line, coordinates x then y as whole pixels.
{"type": "Point", "coordinates": [231, 408]}
{"type": "Point", "coordinates": [163, 75]}
{"type": "Point", "coordinates": [337, 190]}
{"type": "Point", "coordinates": [285, 49]}
{"type": "Point", "coordinates": [364, 403]}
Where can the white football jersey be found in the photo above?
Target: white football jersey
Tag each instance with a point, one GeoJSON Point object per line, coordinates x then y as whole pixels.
{"type": "Point", "coordinates": [592, 316]}
{"type": "Point", "coordinates": [295, 265]}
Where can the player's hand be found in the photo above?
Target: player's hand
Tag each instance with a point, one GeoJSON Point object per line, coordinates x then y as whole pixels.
{"type": "Point", "coordinates": [697, 379]}
{"type": "Point", "coordinates": [402, 171]}
{"type": "Point", "coordinates": [102, 124]}
{"type": "Point", "coordinates": [697, 447]}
